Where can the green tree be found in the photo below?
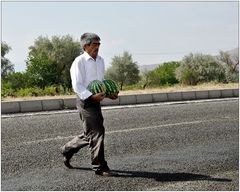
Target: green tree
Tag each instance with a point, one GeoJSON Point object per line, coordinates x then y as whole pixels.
{"type": "Point", "coordinates": [6, 66]}
{"type": "Point", "coordinates": [145, 78]}
{"type": "Point", "coordinates": [123, 70]}
{"type": "Point", "coordinates": [231, 66]}
{"type": "Point", "coordinates": [49, 60]}
{"type": "Point", "coordinates": [164, 74]}
{"type": "Point", "coordinates": [195, 68]}
{"type": "Point", "coordinates": [42, 72]}
{"type": "Point", "coordinates": [18, 80]}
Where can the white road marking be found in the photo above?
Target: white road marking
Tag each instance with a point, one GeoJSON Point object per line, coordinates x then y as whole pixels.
{"type": "Point", "coordinates": [131, 129]}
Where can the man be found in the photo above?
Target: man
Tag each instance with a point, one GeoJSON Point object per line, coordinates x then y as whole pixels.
{"type": "Point", "coordinates": [87, 67]}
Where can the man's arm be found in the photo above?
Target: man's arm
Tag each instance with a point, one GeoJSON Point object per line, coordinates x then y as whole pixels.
{"type": "Point", "coordinates": [77, 75]}
{"type": "Point", "coordinates": [97, 97]}
{"type": "Point", "coordinates": [113, 97]}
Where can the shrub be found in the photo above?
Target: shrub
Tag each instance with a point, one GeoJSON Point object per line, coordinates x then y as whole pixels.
{"type": "Point", "coordinates": [29, 92]}
{"type": "Point", "coordinates": [50, 91]}
{"type": "Point", "coordinates": [196, 68]}
{"type": "Point", "coordinates": [7, 90]}
{"type": "Point", "coordinates": [230, 64]}
{"type": "Point", "coordinates": [164, 74]}
{"type": "Point", "coordinates": [189, 77]}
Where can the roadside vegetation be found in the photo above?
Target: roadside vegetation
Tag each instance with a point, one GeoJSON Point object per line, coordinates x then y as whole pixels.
{"type": "Point", "coordinates": [49, 61]}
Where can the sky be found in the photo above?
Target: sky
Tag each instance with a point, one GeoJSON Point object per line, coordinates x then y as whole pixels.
{"type": "Point", "coordinates": [152, 32]}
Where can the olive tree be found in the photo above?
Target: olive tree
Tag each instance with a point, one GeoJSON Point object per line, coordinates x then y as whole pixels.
{"type": "Point", "coordinates": [231, 66]}
{"type": "Point", "coordinates": [196, 68]}
{"type": "Point", "coordinates": [123, 70]}
{"type": "Point", "coordinates": [6, 65]}
{"type": "Point", "coordinates": [49, 60]}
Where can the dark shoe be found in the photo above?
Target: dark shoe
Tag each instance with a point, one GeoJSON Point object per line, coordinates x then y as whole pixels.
{"type": "Point", "coordinates": [67, 158]}
{"type": "Point", "coordinates": [66, 162]}
{"type": "Point", "coordinates": [106, 173]}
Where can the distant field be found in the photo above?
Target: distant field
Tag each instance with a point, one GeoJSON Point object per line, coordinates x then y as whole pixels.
{"type": "Point", "coordinates": [206, 86]}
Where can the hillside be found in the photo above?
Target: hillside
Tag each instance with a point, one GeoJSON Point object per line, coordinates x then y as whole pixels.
{"type": "Point", "coordinates": [233, 52]}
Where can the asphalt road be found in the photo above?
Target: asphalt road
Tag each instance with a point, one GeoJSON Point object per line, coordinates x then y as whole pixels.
{"type": "Point", "coordinates": [189, 146]}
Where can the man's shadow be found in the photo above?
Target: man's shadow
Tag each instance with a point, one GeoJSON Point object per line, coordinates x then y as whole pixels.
{"type": "Point", "coordinates": [164, 177]}
{"type": "Point", "coordinates": [170, 177]}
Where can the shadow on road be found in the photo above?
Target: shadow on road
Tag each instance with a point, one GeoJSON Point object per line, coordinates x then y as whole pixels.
{"type": "Point", "coordinates": [164, 177]}
{"type": "Point", "coordinates": [169, 177]}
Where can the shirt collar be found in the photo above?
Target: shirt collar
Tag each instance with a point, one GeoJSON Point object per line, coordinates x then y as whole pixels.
{"type": "Point", "coordinates": [87, 56]}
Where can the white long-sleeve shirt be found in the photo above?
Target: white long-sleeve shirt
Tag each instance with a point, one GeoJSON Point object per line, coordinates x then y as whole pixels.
{"type": "Point", "coordinates": [85, 69]}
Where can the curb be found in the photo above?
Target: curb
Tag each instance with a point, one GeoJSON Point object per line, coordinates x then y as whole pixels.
{"type": "Point", "coordinates": [60, 104]}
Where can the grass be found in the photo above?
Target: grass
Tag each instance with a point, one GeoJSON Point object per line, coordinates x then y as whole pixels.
{"type": "Point", "coordinates": [175, 88]}
{"type": "Point", "coordinates": [178, 88]}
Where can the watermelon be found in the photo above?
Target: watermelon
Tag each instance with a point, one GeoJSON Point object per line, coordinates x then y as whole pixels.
{"type": "Point", "coordinates": [96, 86]}
{"type": "Point", "coordinates": [111, 87]}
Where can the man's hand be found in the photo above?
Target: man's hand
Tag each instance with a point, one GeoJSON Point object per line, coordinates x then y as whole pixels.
{"type": "Point", "coordinates": [98, 97]}
{"type": "Point", "coordinates": [113, 97]}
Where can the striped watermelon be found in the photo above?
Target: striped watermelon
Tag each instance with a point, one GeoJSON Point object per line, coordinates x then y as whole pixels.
{"type": "Point", "coordinates": [111, 87]}
{"type": "Point", "coordinates": [96, 86]}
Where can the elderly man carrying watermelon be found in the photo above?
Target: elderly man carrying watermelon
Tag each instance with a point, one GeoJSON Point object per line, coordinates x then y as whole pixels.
{"type": "Point", "coordinates": [87, 68]}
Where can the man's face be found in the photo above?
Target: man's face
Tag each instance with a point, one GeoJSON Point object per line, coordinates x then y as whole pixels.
{"type": "Point", "coordinates": [92, 49]}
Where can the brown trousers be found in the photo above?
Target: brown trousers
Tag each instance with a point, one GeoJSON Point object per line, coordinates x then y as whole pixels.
{"type": "Point", "coordinates": [93, 135]}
